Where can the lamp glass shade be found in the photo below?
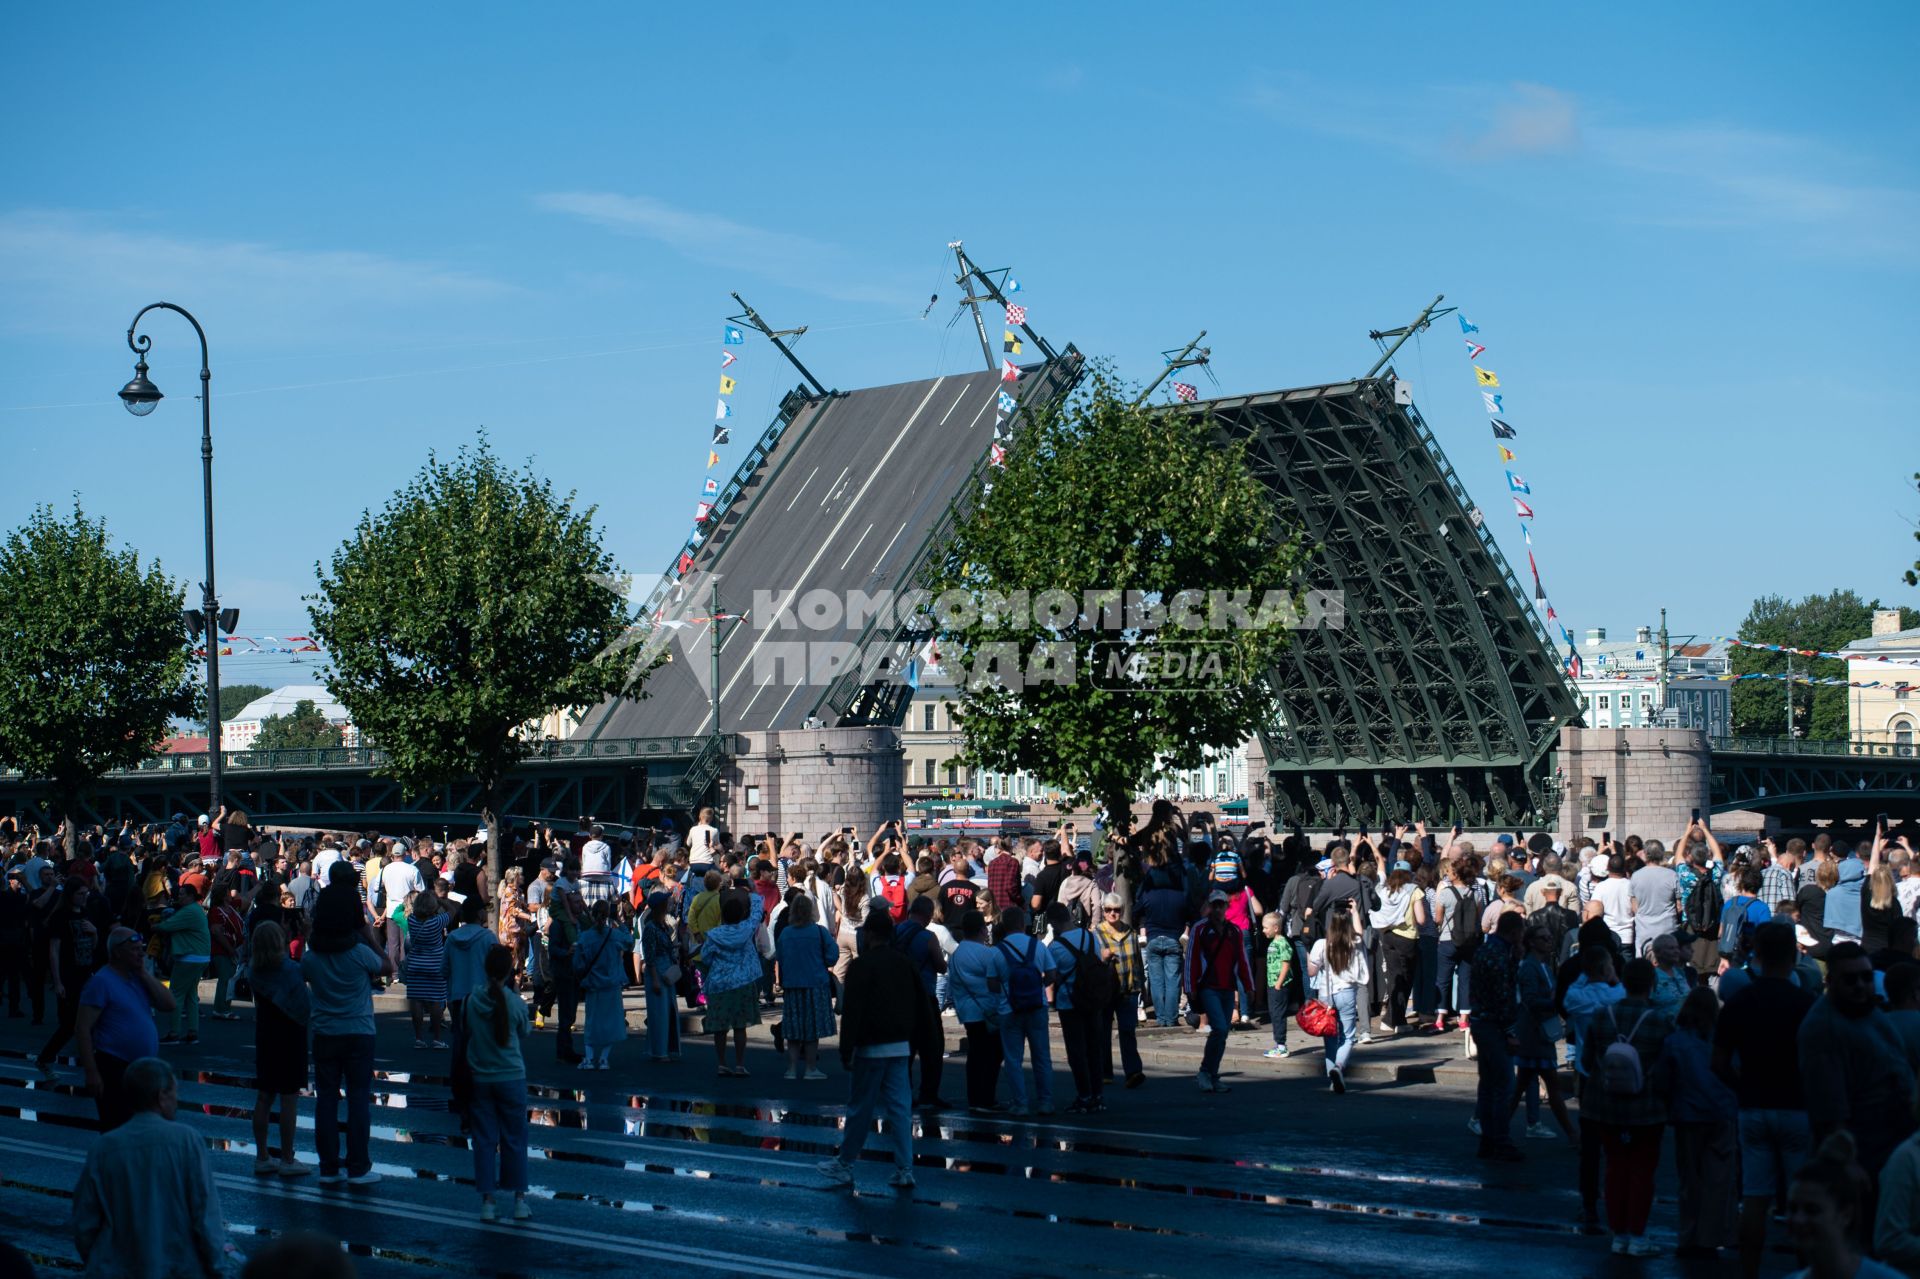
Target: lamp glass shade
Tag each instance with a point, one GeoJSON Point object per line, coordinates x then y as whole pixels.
{"type": "Point", "coordinates": [140, 396]}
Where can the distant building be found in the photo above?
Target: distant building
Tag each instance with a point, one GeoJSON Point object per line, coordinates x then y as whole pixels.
{"type": "Point", "coordinates": [238, 733]}
{"type": "Point", "coordinates": [932, 741]}
{"type": "Point", "coordinates": [1885, 716]}
{"type": "Point", "coordinates": [1619, 683]}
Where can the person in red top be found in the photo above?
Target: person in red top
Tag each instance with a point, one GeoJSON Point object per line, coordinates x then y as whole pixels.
{"type": "Point", "coordinates": [211, 852]}
{"type": "Point", "coordinates": [1003, 880]}
{"type": "Point", "coordinates": [1216, 963]}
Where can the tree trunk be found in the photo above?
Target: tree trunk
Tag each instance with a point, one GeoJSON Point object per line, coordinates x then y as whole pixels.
{"type": "Point", "coordinates": [496, 855]}
{"type": "Point", "coordinates": [1125, 858]}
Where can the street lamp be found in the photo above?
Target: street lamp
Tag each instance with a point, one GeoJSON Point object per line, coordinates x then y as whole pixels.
{"type": "Point", "coordinates": [141, 397]}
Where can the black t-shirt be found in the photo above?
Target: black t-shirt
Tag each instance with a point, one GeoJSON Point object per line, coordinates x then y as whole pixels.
{"type": "Point", "coordinates": [1046, 885]}
{"type": "Point", "coordinates": [955, 898]}
{"type": "Point", "coordinates": [466, 879]}
{"type": "Point", "coordinates": [1761, 1024]}
{"type": "Point", "coordinates": [82, 936]}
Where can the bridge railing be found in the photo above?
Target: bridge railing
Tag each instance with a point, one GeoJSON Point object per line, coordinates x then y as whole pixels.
{"type": "Point", "coordinates": [1850, 747]}
{"type": "Point", "coordinates": [638, 749]}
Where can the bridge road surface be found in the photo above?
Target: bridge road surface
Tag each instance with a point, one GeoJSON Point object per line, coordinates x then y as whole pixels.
{"type": "Point", "coordinates": [841, 503]}
{"type": "Point", "coordinates": [655, 1168]}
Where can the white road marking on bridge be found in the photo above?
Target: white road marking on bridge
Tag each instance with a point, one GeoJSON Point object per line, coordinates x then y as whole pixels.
{"type": "Point", "coordinates": [833, 489]}
{"type": "Point", "coordinates": [766, 626]}
{"type": "Point", "coordinates": [883, 555]}
{"type": "Point", "coordinates": [856, 547]}
{"type": "Point", "coordinates": [951, 407]}
{"type": "Point", "coordinates": [803, 486]}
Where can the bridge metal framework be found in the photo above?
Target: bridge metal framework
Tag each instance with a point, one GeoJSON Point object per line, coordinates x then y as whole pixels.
{"type": "Point", "coordinates": [1851, 781]}
{"type": "Point", "coordinates": [1440, 696]}
{"type": "Point", "coordinates": [621, 781]}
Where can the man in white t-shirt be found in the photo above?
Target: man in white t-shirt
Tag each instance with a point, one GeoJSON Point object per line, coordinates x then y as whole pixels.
{"type": "Point", "coordinates": [399, 879]}
{"type": "Point", "coordinates": [323, 862]}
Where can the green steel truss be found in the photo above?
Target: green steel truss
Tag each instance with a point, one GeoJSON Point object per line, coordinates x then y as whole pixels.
{"type": "Point", "coordinates": [1441, 697]}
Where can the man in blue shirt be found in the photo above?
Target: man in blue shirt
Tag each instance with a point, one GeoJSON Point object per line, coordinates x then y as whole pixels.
{"type": "Point", "coordinates": [1080, 1028]}
{"type": "Point", "coordinates": [915, 937]}
{"type": "Point", "coordinates": [114, 1026]}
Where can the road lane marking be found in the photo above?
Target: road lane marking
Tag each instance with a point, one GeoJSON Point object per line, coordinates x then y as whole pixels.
{"type": "Point", "coordinates": [803, 486]}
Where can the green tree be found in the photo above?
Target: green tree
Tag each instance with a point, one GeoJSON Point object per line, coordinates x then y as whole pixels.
{"type": "Point", "coordinates": [234, 698]}
{"type": "Point", "coordinates": [94, 663]}
{"type": "Point", "coordinates": [304, 729]}
{"type": "Point", "coordinates": [1824, 623]}
{"type": "Point", "coordinates": [1098, 495]}
{"type": "Point", "coordinates": [474, 603]}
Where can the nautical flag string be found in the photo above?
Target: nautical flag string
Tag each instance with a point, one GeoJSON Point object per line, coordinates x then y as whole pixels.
{"type": "Point", "coordinates": [1187, 392]}
{"type": "Point", "coordinates": [1016, 314]}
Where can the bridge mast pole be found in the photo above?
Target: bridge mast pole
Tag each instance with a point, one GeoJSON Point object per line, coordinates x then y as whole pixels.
{"type": "Point", "coordinates": [1427, 317]}
{"type": "Point", "coordinates": [1184, 360]}
{"type": "Point", "coordinates": [752, 319]}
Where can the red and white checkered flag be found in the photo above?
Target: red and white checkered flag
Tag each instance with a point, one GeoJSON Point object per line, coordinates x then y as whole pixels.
{"type": "Point", "coordinates": [1016, 314]}
{"type": "Point", "coordinates": [1186, 391]}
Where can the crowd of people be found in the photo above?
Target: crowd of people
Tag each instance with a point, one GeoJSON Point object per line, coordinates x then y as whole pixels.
{"type": "Point", "coordinates": [1762, 1003]}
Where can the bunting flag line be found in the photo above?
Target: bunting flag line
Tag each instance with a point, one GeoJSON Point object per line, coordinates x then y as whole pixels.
{"type": "Point", "coordinates": [1473, 348]}
{"type": "Point", "coordinates": [1521, 509]}
{"type": "Point", "coordinates": [701, 512]}
{"type": "Point", "coordinates": [1516, 485]}
{"type": "Point", "coordinates": [1009, 371]}
{"type": "Point", "coordinates": [1013, 286]}
{"type": "Point", "coordinates": [1009, 343]}
{"type": "Point", "coordinates": [1486, 377]}
{"type": "Point", "coordinates": [727, 384]}
{"type": "Point", "coordinates": [1186, 391]}
{"type": "Point", "coordinates": [710, 488]}
{"type": "Point", "coordinates": [1501, 431]}
{"type": "Point", "coordinates": [713, 459]}
{"type": "Point", "coordinates": [1016, 314]}
{"type": "Point", "coordinates": [1506, 454]}
{"type": "Point", "coordinates": [722, 410]}
{"type": "Point", "coordinates": [1467, 326]}
{"type": "Point", "coordinates": [1494, 406]}
{"type": "Point", "coordinates": [720, 435]}
{"type": "Point", "coordinates": [1816, 652]}
{"type": "Point", "coordinates": [728, 359]}
{"type": "Point", "coordinates": [997, 455]}
{"type": "Point", "coordinates": [1006, 403]}
{"type": "Point", "coordinates": [734, 336]}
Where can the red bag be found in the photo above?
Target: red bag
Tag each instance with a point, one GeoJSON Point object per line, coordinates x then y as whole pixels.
{"type": "Point", "coordinates": [1316, 1018]}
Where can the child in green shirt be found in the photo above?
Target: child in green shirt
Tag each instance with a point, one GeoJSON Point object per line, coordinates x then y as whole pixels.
{"type": "Point", "coordinates": [1279, 981]}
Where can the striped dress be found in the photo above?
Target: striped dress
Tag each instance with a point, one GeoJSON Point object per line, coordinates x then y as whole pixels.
{"type": "Point", "coordinates": [426, 972]}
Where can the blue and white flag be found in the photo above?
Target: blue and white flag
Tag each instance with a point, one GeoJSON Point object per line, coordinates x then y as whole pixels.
{"type": "Point", "coordinates": [734, 336]}
{"type": "Point", "coordinates": [710, 487]}
{"type": "Point", "coordinates": [722, 410]}
{"type": "Point", "coordinates": [1516, 485]}
{"type": "Point", "coordinates": [1467, 326]}
{"type": "Point", "coordinates": [1013, 285]}
{"type": "Point", "coordinates": [1493, 403]}
{"type": "Point", "coordinates": [623, 877]}
{"type": "Point", "coordinates": [1007, 403]}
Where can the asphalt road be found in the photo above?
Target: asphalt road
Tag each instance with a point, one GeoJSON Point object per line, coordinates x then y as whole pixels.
{"type": "Point", "coordinates": [654, 1166]}
{"type": "Point", "coordinates": [840, 504]}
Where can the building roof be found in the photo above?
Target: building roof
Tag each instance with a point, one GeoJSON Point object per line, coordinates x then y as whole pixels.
{"type": "Point", "coordinates": [184, 745]}
{"type": "Point", "coordinates": [1906, 641]}
{"type": "Point", "coordinates": [281, 701]}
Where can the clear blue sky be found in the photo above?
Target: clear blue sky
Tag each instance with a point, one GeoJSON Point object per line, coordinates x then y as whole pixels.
{"type": "Point", "coordinates": [1690, 235]}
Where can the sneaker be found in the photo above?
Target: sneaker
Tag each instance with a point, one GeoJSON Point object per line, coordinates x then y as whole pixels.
{"type": "Point", "coordinates": [1338, 1080]}
{"type": "Point", "coordinates": [1385, 1029]}
{"type": "Point", "coordinates": [522, 1210]}
{"type": "Point", "coordinates": [1220, 1087]}
{"type": "Point", "coordinates": [1205, 1081]}
{"type": "Point", "coordinates": [585, 1063]}
{"type": "Point", "coordinates": [1641, 1246]}
{"type": "Point", "coordinates": [1276, 1052]}
{"type": "Point", "coordinates": [442, 1045]}
{"type": "Point", "coordinates": [367, 1178]}
{"type": "Point", "coordinates": [419, 1042]}
{"type": "Point", "coordinates": [815, 1075]}
{"type": "Point", "coordinates": [902, 1179]}
{"type": "Point", "coordinates": [1473, 1124]}
{"type": "Point", "coordinates": [835, 1171]}
{"type": "Point", "coordinates": [330, 1178]}
{"type": "Point", "coordinates": [487, 1211]}
{"type": "Point", "coordinates": [1620, 1245]}
{"type": "Point", "coordinates": [265, 1168]}
{"type": "Point", "coordinates": [539, 1023]}
{"type": "Point", "coordinates": [1542, 1131]}
{"type": "Point", "coordinates": [292, 1168]}
{"type": "Point", "coordinates": [1366, 1037]}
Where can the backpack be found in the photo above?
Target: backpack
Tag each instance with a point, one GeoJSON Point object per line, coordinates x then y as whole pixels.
{"type": "Point", "coordinates": [1463, 927]}
{"type": "Point", "coordinates": [1703, 908]}
{"type": "Point", "coordinates": [893, 888]}
{"type": "Point", "coordinates": [1026, 991]}
{"type": "Point", "coordinates": [1095, 987]}
{"type": "Point", "coordinates": [1620, 1070]}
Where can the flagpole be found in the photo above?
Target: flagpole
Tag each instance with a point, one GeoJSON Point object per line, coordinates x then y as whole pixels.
{"type": "Point", "coordinates": [752, 317]}
{"type": "Point", "coordinates": [1179, 361]}
{"type": "Point", "coordinates": [972, 302]}
{"type": "Point", "coordinates": [1427, 317]}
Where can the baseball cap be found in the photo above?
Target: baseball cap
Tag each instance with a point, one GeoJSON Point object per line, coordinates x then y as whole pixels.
{"type": "Point", "coordinates": [1216, 896]}
{"type": "Point", "coordinates": [1559, 849]}
{"type": "Point", "coordinates": [121, 935]}
{"type": "Point", "coordinates": [1503, 838]}
{"type": "Point", "coordinates": [1402, 864]}
{"type": "Point", "coordinates": [203, 820]}
{"type": "Point", "coordinates": [1324, 864]}
{"type": "Point", "coordinates": [1598, 865]}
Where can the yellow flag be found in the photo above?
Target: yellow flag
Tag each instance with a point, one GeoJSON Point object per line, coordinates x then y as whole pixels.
{"type": "Point", "coordinates": [1506, 454]}
{"type": "Point", "coordinates": [727, 384]}
{"type": "Point", "coordinates": [713, 459]}
{"type": "Point", "coordinates": [1487, 377]}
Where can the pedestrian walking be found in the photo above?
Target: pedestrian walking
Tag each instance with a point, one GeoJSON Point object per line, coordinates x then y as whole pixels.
{"type": "Point", "coordinates": [977, 983]}
{"type": "Point", "coordinates": [497, 1026]}
{"type": "Point", "coordinates": [664, 959]}
{"type": "Point", "coordinates": [881, 1014]}
{"type": "Point", "coordinates": [597, 959]}
{"type": "Point", "coordinates": [1621, 1052]}
{"type": "Point", "coordinates": [1337, 964]}
{"type": "Point", "coordinates": [1216, 966]}
{"type": "Point", "coordinates": [113, 1026]}
{"type": "Point", "coordinates": [1024, 1029]}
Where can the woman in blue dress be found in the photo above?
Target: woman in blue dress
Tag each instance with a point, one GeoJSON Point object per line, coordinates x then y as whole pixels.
{"type": "Point", "coordinates": [807, 953]}
{"type": "Point", "coordinates": [426, 970]}
{"type": "Point", "coordinates": [599, 957]}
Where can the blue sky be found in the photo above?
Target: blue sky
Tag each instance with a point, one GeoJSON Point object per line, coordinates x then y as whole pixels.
{"type": "Point", "coordinates": [1688, 234]}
